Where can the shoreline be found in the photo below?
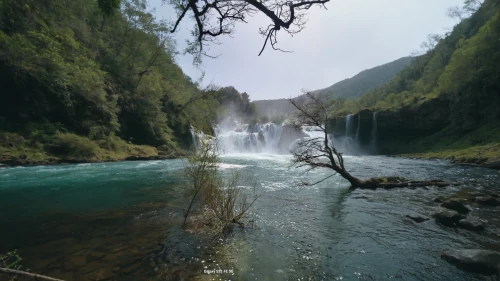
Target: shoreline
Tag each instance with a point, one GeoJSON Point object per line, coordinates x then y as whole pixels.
{"type": "Point", "coordinates": [489, 163]}
{"type": "Point", "coordinates": [10, 163]}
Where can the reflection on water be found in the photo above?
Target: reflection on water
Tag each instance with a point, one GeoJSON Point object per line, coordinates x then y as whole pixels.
{"type": "Point", "coordinates": [120, 221]}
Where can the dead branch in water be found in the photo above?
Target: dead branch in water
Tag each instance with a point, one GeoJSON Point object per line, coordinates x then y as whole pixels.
{"type": "Point", "coordinates": [28, 274]}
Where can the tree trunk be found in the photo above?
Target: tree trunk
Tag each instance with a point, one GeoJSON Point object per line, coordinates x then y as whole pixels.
{"type": "Point", "coordinates": [355, 182]}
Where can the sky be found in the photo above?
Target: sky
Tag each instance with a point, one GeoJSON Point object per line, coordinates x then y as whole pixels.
{"type": "Point", "coordinates": [338, 43]}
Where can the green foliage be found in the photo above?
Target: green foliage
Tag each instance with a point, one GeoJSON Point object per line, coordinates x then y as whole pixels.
{"type": "Point", "coordinates": [74, 146]}
{"type": "Point", "coordinates": [461, 68]}
{"type": "Point", "coordinates": [356, 86]}
{"type": "Point", "coordinates": [108, 6]}
{"type": "Point", "coordinates": [96, 69]}
{"type": "Point", "coordinates": [235, 104]}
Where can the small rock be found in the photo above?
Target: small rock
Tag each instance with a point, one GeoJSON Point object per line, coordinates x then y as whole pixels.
{"type": "Point", "coordinates": [487, 201]}
{"type": "Point", "coordinates": [470, 224]}
{"type": "Point", "coordinates": [448, 217]}
{"type": "Point", "coordinates": [417, 219]}
{"type": "Point", "coordinates": [438, 200]}
{"type": "Point", "coordinates": [475, 260]}
{"type": "Point", "coordinates": [455, 205]}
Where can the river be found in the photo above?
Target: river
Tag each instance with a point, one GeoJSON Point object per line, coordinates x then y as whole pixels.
{"type": "Point", "coordinates": [120, 221]}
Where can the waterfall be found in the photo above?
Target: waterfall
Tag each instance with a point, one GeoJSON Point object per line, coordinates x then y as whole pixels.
{"type": "Point", "coordinates": [346, 144]}
{"type": "Point", "coordinates": [373, 142]}
{"type": "Point", "coordinates": [356, 138]}
{"type": "Point", "coordinates": [348, 124]}
{"type": "Point", "coordinates": [374, 129]}
{"type": "Point", "coordinates": [242, 138]}
{"type": "Point", "coordinates": [197, 136]}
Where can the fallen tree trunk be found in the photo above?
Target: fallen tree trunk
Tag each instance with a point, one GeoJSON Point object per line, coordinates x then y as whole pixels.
{"type": "Point", "coordinates": [28, 274]}
{"type": "Point", "coordinates": [395, 182]}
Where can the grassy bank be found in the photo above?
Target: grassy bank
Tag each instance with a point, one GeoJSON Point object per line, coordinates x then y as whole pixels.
{"type": "Point", "coordinates": [478, 147]}
{"type": "Point", "coordinates": [70, 148]}
{"type": "Point", "coordinates": [482, 155]}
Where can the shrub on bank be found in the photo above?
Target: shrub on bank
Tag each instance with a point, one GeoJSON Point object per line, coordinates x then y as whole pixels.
{"type": "Point", "coordinates": [74, 146]}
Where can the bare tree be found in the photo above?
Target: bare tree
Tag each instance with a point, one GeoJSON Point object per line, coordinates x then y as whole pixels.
{"type": "Point", "coordinates": [432, 41]}
{"type": "Point", "coordinates": [320, 152]}
{"type": "Point", "coordinates": [218, 17]}
{"type": "Point", "coordinates": [469, 7]}
{"type": "Point", "coordinates": [222, 199]}
{"type": "Point", "coordinates": [455, 12]}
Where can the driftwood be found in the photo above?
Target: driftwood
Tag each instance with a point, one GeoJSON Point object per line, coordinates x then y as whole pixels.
{"type": "Point", "coordinates": [28, 274]}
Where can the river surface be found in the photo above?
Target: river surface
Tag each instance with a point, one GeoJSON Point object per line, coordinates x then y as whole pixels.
{"type": "Point", "coordinates": [121, 221]}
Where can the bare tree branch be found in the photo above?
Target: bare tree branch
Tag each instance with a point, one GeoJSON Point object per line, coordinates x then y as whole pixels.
{"type": "Point", "coordinates": [28, 274]}
{"type": "Point", "coordinates": [214, 18]}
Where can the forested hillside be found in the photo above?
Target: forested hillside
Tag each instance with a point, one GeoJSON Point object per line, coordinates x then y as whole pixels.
{"type": "Point", "coordinates": [463, 66]}
{"type": "Point", "coordinates": [448, 98]}
{"type": "Point", "coordinates": [92, 80]}
{"type": "Point", "coordinates": [350, 89]}
{"type": "Point", "coordinates": [356, 86]}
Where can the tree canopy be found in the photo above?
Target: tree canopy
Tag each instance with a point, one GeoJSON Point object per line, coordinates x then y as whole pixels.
{"type": "Point", "coordinates": [98, 69]}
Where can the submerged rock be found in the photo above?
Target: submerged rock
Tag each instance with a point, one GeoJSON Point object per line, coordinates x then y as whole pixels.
{"type": "Point", "coordinates": [448, 217]}
{"type": "Point", "coordinates": [417, 219]}
{"type": "Point", "coordinates": [455, 205]}
{"type": "Point", "coordinates": [471, 224]}
{"type": "Point", "coordinates": [475, 260]}
{"type": "Point", "coordinates": [438, 200]}
{"type": "Point", "coordinates": [487, 201]}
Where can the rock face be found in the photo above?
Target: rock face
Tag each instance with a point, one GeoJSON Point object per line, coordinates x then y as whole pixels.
{"type": "Point", "coordinates": [448, 217]}
{"type": "Point", "coordinates": [455, 205]}
{"type": "Point", "coordinates": [471, 224]}
{"type": "Point", "coordinates": [487, 201]}
{"type": "Point", "coordinates": [395, 128]}
{"type": "Point", "coordinates": [475, 260]}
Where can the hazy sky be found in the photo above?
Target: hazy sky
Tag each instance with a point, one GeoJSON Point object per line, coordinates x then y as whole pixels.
{"type": "Point", "coordinates": [352, 35]}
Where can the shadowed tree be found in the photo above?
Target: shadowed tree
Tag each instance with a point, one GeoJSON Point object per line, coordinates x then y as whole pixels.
{"type": "Point", "coordinates": [218, 17]}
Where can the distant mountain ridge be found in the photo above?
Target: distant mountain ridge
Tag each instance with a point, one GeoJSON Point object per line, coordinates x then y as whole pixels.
{"type": "Point", "coordinates": [356, 86]}
{"type": "Point", "coordinates": [351, 88]}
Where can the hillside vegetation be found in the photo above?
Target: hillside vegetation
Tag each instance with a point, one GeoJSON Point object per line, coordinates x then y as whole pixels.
{"type": "Point", "coordinates": [456, 81]}
{"type": "Point", "coordinates": [344, 91]}
{"type": "Point", "coordinates": [356, 86]}
{"type": "Point", "coordinates": [98, 76]}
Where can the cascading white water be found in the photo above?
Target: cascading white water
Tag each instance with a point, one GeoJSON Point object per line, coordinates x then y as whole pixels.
{"type": "Point", "coordinates": [242, 138]}
{"type": "Point", "coordinates": [356, 138]}
{"type": "Point", "coordinates": [348, 124]}
{"type": "Point", "coordinates": [373, 141]}
{"type": "Point", "coordinates": [347, 144]}
{"type": "Point", "coordinates": [197, 137]}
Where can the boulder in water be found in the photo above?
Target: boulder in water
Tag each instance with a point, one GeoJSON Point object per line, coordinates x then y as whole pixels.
{"type": "Point", "coordinates": [455, 205]}
{"type": "Point", "coordinates": [448, 217]}
{"type": "Point", "coordinates": [487, 201]}
{"type": "Point", "coordinates": [417, 219]}
{"type": "Point", "coordinates": [471, 224]}
{"type": "Point", "coordinates": [475, 260]}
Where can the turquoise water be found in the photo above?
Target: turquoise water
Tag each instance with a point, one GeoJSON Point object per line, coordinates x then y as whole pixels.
{"type": "Point", "coordinates": [323, 232]}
